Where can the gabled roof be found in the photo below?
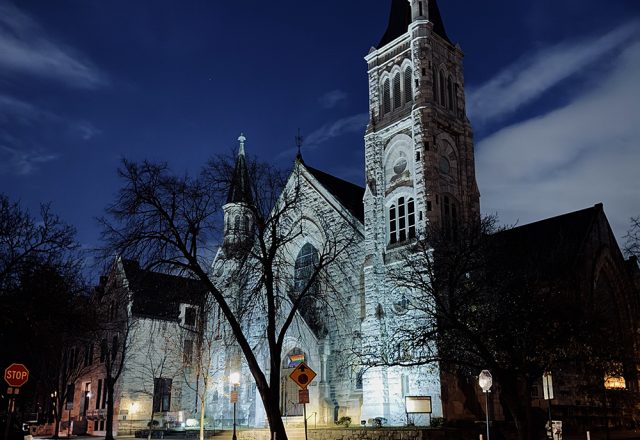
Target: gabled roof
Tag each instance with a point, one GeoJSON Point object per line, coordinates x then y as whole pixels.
{"type": "Point", "coordinates": [347, 193]}
{"type": "Point", "coordinates": [400, 19]}
{"type": "Point", "coordinates": [551, 245]}
{"type": "Point", "coordinates": [157, 295]}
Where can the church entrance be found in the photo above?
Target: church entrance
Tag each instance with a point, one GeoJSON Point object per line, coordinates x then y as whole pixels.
{"type": "Point", "coordinates": [289, 406]}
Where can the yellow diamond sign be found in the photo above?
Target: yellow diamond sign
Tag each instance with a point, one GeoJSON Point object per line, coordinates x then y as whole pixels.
{"type": "Point", "coordinates": [302, 375]}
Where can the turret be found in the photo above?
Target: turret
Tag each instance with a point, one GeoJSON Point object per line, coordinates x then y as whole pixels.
{"type": "Point", "coordinates": [238, 217]}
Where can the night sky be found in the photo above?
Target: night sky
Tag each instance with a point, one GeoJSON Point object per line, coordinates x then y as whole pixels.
{"type": "Point", "coordinates": [553, 93]}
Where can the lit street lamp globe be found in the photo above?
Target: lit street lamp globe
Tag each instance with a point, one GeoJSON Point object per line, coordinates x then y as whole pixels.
{"type": "Point", "coordinates": [485, 380]}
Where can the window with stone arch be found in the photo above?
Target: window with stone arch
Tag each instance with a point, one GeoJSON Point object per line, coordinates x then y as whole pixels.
{"type": "Point", "coordinates": [310, 306]}
{"type": "Point", "coordinates": [450, 209]}
{"type": "Point", "coordinates": [402, 220]}
{"type": "Point", "coordinates": [399, 163]}
{"type": "Point", "coordinates": [397, 91]}
{"type": "Point", "coordinates": [386, 96]}
{"type": "Point", "coordinates": [450, 95]}
{"type": "Point", "coordinates": [408, 86]}
{"type": "Point", "coordinates": [443, 89]}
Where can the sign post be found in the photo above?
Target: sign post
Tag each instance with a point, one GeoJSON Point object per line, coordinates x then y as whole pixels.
{"type": "Point", "coordinates": [485, 380]}
{"type": "Point", "coordinates": [302, 375]}
{"type": "Point", "coordinates": [547, 385]}
{"type": "Point", "coordinates": [15, 375]}
{"type": "Point", "coordinates": [418, 405]}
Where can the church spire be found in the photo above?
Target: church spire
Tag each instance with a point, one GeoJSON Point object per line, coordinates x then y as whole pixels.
{"type": "Point", "coordinates": [403, 12]}
{"type": "Point", "coordinates": [240, 188]}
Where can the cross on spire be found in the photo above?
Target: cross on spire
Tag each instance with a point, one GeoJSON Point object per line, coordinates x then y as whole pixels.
{"type": "Point", "coordinates": [299, 142]}
{"type": "Point", "coordinates": [242, 140]}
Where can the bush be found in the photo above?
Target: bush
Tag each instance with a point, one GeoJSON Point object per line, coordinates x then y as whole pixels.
{"type": "Point", "coordinates": [344, 421]}
{"type": "Point", "coordinates": [437, 422]}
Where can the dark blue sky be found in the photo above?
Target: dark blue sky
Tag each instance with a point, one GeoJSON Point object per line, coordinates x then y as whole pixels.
{"type": "Point", "coordinates": [552, 92]}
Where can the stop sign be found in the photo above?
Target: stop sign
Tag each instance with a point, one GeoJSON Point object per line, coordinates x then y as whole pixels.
{"type": "Point", "coordinates": [16, 375]}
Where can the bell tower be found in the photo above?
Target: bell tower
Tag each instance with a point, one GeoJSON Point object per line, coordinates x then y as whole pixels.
{"type": "Point", "coordinates": [419, 160]}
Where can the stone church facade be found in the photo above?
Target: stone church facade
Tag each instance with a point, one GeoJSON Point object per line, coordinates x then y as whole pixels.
{"type": "Point", "coordinates": [419, 169]}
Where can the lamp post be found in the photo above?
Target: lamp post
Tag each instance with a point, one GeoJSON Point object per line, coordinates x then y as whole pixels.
{"type": "Point", "coordinates": [485, 381]}
{"type": "Point", "coordinates": [234, 378]}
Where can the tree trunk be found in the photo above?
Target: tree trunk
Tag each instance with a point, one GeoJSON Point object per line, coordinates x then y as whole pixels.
{"type": "Point", "coordinates": [57, 424]}
{"type": "Point", "coordinates": [150, 424]}
{"type": "Point", "coordinates": [515, 394]}
{"type": "Point", "coordinates": [202, 408]}
{"type": "Point", "coordinates": [109, 423]}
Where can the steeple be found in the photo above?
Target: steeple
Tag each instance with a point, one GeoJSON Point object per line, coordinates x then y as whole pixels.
{"type": "Point", "coordinates": [403, 12]}
{"type": "Point", "coordinates": [240, 188]}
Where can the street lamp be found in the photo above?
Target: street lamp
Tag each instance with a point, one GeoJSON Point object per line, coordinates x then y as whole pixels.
{"type": "Point", "coordinates": [234, 378]}
{"type": "Point", "coordinates": [485, 381]}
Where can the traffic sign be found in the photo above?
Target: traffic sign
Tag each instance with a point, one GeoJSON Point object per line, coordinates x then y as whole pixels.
{"type": "Point", "coordinates": [547, 386]}
{"type": "Point", "coordinates": [302, 375]}
{"type": "Point", "coordinates": [16, 375]}
{"type": "Point", "coordinates": [303, 396]}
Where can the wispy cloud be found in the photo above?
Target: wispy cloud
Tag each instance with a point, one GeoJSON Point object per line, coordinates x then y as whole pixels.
{"type": "Point", "coordinates": [350, 124]}
{"type": "Point", "coordinates": [22, 163]}
{"type": "Point", "coordinates": [25, 48]}
{"type": "Point", "coordinates": [572, 157]}
{"type": "Point", "coordinates": [527, 79]}
{"type": "Point", "coordinates": [331, 99]}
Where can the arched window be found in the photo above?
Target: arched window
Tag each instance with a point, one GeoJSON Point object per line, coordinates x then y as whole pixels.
{"type": "Point", "coordinates": [305, 267]}
{"type": "Point", "coordinates": [386, 97]}
{"type": "Point", "coordinates": [450, 93]}
{"type": "Point", "coordinates": [449, 217]}
{"type": "Point", "coordinates": [402, 220]}
{"type": "Point", "coordinates": [306, 262]}
{"type": "Point", "coordinates": [236, 224]}
{"type": "Point", "coordinates": [408, 88]}
{"type": "Point", "coordinates": [443, 88]}
{"type": "Point", "coordinates": [246, 225]}
{"type": "Point", "coordinates": [397, 92]}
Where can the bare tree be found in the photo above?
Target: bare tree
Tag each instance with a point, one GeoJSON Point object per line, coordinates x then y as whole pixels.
{"type": "Point", "coordinates": [41, 278]}
{"type": "Point", "coordinates": [632, 245]}
{"type": "Point", "coordinates": [169, 222]}
{"type": "Point", "coordinates": [25, 239]}
{"type": "Point", "coordinates": [475, 303]}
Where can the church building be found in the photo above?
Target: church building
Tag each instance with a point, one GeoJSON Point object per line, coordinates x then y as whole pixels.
{"type": "Point", "coordinates": [419, 169]}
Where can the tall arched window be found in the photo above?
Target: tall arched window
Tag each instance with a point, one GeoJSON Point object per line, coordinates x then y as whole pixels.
{"type": "Point", "coordinates": [305, 267]}
{"type": "Point", "coordinates": [397, 92]}
{"type": "Point", "coordinates": [408, 87]}
{"type": "Point", "coordinates": [236, 224]}
{"type": "Point", "coordinates": [450, 93]}
{"type": "Point", "coordinates": [449, 213]}
{"type": "Point", "coordinates": [443, 92]}
{"type": "Point", "coordinates": [402, 220]}
{"type": "Point", "coordinates": [386, 97]}
{"type": "Point", "coordinates": [306, 262]}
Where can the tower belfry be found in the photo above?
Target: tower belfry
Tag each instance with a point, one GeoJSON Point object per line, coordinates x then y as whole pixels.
{"type": "Point", "coordinates": [420, 171]}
